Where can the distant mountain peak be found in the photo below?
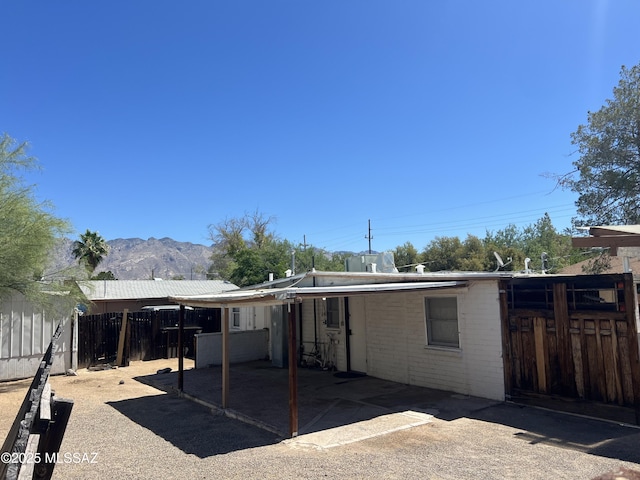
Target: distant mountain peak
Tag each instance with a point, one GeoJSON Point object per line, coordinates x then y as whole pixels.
{"type": "Point", "coordinates": [138, 259]}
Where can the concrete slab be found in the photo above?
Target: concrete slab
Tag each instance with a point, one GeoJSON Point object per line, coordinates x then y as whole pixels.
{"type": "Point", "coordinates": [339, 408]}
{"type": "Point", "coordinates": [362, 430]}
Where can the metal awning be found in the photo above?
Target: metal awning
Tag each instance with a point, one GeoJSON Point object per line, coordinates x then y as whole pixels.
{"type": "Point", "coordinates": [267, 296]}
{"type": "Point", "coordinates": [279, 296]}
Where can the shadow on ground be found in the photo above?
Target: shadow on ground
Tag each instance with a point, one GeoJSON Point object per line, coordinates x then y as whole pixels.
{"type": "Point", "coordinates": [260, 392]}
{"type": "Point", "coordinates": [562, 430]}
{"type": "Point", "coordinates": [192, 428]}
{"type": "Point", "coordinates": [325, 400]}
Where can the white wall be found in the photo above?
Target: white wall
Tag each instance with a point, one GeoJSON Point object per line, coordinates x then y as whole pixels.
{"type": "Point", "coordinates": [396, 341]}
{"type": "Point", "coordinates": [251, 318]}
{"type": "Point", "coordinates": [244, 346]}
{"type": "Point", "coordinates": [25, 334]}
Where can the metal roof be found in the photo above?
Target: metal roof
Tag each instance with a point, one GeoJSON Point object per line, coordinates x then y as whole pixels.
{"type": "Point", "coordinates": [147, 289]}
{"type": "Point", "coordinates": [268, 296]}
{"type": "Point", "coordinates": [614, 229]}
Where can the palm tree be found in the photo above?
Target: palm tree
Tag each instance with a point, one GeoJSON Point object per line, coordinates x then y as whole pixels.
{"type": "Point", "coordinates": [90, 250]}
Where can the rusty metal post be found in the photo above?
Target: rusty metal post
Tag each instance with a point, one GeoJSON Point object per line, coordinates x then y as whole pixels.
{"type": "Point", "coordinates": [181, 349]}
{"type": "Point", "coordinates": [293, 374]}
{"type": "Point", "coordinates": [225, 358]}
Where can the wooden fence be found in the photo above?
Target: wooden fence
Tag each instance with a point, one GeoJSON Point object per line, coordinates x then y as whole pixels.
{"type": "Point", "coordinates": [150, 335]}
{"type": "Point", "coordinates": [585, 360]}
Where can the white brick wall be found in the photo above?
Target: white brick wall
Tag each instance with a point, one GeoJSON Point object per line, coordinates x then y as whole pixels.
{"type": "Point", "coordinates": [396, 341]}
{"type": "Point", "coordinates": [322, 332]}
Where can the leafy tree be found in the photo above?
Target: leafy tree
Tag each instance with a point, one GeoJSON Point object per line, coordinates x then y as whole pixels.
{"type": "Point", "coordinates": [246, 251]}
{"type": "Point", "coordinates": [542, 238]}
{"type": "Point", "coordinates": [512, 256]}
{"type": "Point", "coordinates": [598, 264]}
{"type": "Point", "coordinates": [108, 275]}
{"type": "Point", "coordinates": [90, 250]}
{"type": "Point", "coordinates": [406, 256]}
{"type": "Point", "coordinates": [512, 244]}
{"type": "Point", "coordinates": [473, 255]}
{"type": "Point", "coordinates": [443, 253]}
{"type": "Point", "coordinates": [28, 229]}
{"type": "Point", "coordinates": [607, 172]}
{"type": "Point", "coordinates": [318, 258]}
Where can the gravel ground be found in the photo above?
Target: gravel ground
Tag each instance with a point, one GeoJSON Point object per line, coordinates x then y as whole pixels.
{"type": "Point", "coordinates": [130, 430]}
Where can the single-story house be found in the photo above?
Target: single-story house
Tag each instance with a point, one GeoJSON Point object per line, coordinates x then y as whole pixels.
{"type": "Point", "coordinates": [435, 330]}
{"type": "Point", "coordinates": [497, 335]}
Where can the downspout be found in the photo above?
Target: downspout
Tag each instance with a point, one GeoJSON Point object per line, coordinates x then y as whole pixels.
{"type": "Point", "coordinates": [74, 340]}
{"type": "Point", "coordinates": [347, 333]}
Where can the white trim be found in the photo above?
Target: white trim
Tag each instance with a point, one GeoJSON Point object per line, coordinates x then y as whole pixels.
{"type": "Point", "coordinates": [292, 294]}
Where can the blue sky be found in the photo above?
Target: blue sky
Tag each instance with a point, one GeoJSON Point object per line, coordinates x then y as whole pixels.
{"type": "Point", "coordinates": [159, 118]}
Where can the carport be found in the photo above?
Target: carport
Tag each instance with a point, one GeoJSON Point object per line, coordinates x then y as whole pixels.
{"type": "Point", "coordinates": [287, 297]}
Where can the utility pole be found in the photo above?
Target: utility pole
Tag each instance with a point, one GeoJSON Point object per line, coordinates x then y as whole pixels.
{"type": "Point", "coordinates": [369, 237]}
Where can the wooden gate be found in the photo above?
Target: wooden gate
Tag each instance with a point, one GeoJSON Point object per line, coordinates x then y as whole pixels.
{"type": "Point", "coordinates": [571, 343]}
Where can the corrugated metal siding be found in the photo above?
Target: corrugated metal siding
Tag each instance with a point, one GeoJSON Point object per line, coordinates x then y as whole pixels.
{"type": "Point", "coordinates": [25, 334]}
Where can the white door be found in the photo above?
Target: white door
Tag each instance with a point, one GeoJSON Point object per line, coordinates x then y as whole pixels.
{"type": "Point", "coordinates": [357, 335]}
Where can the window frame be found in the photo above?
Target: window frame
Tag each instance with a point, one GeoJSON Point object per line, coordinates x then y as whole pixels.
{"type": "Point", "coordinates": [235, 317]}
{"type": "Point", "coordinates": [333, 313]}
{"type": "Point", "coordinates": [430, 342]}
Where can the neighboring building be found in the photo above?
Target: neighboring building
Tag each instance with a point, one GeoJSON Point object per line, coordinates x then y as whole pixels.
{"type": "Point", "coordinates": [106, 296]}
{"type": "Point", "coordinates": [152, 318]}
{"type": "Point", "coordinates": [616, 264]}
{"type": "Point", "coordinates": [25, 335]}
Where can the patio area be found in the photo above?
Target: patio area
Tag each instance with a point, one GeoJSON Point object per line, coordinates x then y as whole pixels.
{"type": "Point", "coordinates": [358, 405]}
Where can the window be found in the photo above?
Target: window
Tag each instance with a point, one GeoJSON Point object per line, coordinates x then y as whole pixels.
{"type": "Point", "coordinates": [442, 321]}
{"type": "Point", "coordinates": [333, 313]}
{"type": "Point", "coordinates": [235, 315]}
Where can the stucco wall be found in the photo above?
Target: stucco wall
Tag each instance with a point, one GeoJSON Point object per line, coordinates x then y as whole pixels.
{"type": "Point", "coordinates": [244, 346]}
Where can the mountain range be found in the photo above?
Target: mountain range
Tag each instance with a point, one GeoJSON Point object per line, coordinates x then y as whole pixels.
{"type": "Point", "coordinates": [138, 259]}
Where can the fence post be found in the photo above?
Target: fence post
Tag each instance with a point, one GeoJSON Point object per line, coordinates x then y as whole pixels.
{"type": "Point", "coordinates": [121, 339]}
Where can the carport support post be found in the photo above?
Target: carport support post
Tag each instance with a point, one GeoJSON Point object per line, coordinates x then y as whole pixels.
{"type": "Point", "coordinates": [293, 374]}
{"type": "Point", "coordinates": [181, 349]}
{"type": "Point", "coordinates": [225, 357]}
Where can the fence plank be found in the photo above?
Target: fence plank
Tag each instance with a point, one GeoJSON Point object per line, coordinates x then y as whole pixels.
{"type": "Point", "coordinates": [123, 335]}
{"type": "Point", "coordinates": [608, 360]}
{"type": "Point", "coordinates": [576, 352]}
{"type": "Point", "coordinates": [625, 363]}
{"type": "Point", "coordinates": [539, 327]}
{"type": "Point", "coordinates": [561, 314]}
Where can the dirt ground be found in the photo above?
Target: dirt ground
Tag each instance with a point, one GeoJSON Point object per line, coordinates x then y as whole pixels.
{"type": "Point", "coordinates": [87, 388]}
{"type": "Point", "coordinates": [137, 431]}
